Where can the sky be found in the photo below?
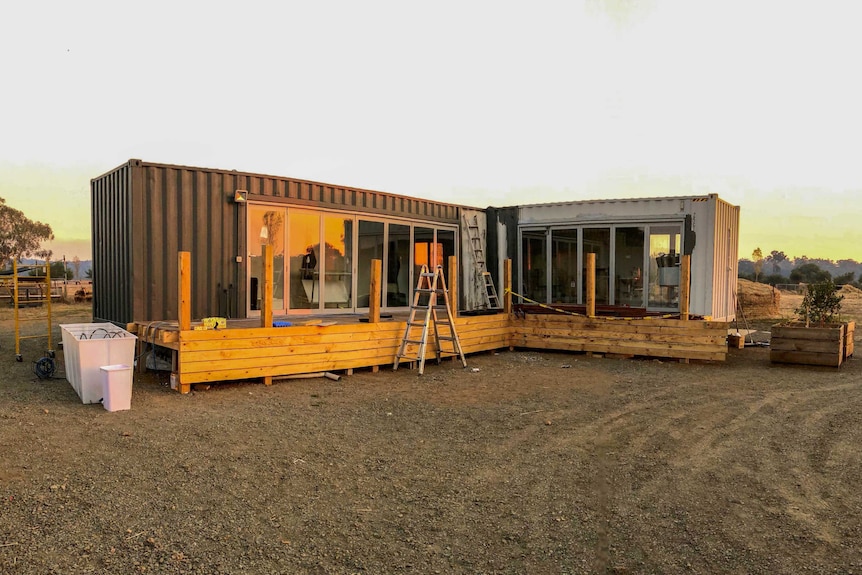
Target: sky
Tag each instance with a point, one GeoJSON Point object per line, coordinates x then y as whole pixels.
{"type": "Point", "coordinates": [471, 102]}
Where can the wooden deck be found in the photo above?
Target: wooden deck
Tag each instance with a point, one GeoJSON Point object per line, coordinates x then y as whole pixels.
{"type": "Point", "coordinates": [245, 349]}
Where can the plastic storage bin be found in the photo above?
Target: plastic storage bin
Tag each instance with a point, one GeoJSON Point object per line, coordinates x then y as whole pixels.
{"type": "Point", "coordinates": [89, 346]}
{"type": "Point", "coordinates": [116, 387]}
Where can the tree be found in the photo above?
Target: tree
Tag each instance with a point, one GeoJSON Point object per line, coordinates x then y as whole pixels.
{"type": "Point", "coordinates": [775, 279]}
{"type": "Point", "coordinates": [844, 279]}
{"type": "Point", "coordinates": [76, 264]}
{"type": "Point", "coordinates": [19, 236]}
{"type": "Point", "coordinates": [821, 303]}
{"type": "Point", "coordinates": [776, 257]}
{"type": "Point", "coordinates": [58, 271]}
{"type": "Point", "coordinates": [757, 258]}
{"type": "Point", "coordinates": [809, 274]}
{"type": "Point", "coordinates": [89, 274]}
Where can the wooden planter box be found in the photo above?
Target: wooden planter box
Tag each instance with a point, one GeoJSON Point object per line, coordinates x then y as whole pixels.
{"type": "Point", "coordinates": [795, 343]}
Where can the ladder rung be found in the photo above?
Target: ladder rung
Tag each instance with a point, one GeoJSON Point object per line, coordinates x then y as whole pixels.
{"type": "Point", "coordinates": [416, 341]}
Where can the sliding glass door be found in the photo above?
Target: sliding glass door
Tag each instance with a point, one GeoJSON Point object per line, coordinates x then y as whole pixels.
{"type": "Point", "coordinates": [637, 265]}
{"type": "Point", "coordinates": [322, 260]}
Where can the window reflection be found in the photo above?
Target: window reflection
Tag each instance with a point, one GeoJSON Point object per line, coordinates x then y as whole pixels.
{"type": "Point", "coordinates": [398, 282]}
{"type": "Point", "coordinates": [628, 259]}
{"type": "Point", "coordinates": [266, 227]}
{"type": "Point", "coordinates": [535, 266]}
{"type": "Point", "coordinates": [370, 248]}
{"type": "Point", "coordinates": [564, 271]}
{"type": "Point", "coordinates": [304, 250]}
{"type": "Point", "coordinates": [598, 241]}
{"type": "Point", "coordinates": [338, 276]}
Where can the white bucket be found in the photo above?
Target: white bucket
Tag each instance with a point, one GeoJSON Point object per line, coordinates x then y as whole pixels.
{"type": "Point", "coordinates": [116, 387]}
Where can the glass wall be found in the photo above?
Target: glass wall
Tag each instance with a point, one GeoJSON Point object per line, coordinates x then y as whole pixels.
{"type": "Point", "coordinates": [445, 247]}
{"type": "Point", "coordinates": [304, 257]}
{"type": "Point", "coordinates": [664, 247]}
{"type": "Point", "coordinates": [338, 274]}
{"type": "Point", "coordinates": [398, 279]}
{"type": "Point", "coordinates": [598, 241]}
{"type": "Point", "coordinates": [322, 260]}
{"type": "Point", "coordinates": [371, 243]}
{"type": "Point", "coordinates": [564, 266]}
{"type": "Point", "coordinates": [534, 261]}
{"type": "Point", "coordinates": [636, 265]}
{"type": "Point", "coordinates": [628, 266]}
{"type": "Point", "coordinates": [266, 227]}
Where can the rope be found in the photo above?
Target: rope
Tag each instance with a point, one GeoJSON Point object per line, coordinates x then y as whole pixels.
{"type": "Point", "coordinates": [567, 312]}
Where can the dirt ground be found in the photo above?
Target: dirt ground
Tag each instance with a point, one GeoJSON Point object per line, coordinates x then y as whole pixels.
{"type": "Point", "coordinates": [526, 462]}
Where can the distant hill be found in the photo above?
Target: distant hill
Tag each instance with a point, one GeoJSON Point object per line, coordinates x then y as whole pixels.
{"type": "Point", "coordinates": [86, 265]}
{"type": "Point", "coordinates": [835, 269]}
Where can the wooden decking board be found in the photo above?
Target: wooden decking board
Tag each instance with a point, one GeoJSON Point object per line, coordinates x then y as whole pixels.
{"type": "Point", "coordinates": [704, 337]}
{"type": "Point", "coordinates": [245, 352]}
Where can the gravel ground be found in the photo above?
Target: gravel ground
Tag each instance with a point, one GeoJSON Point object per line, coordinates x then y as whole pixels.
{"type": "Point", "coordinates": [535, 463]}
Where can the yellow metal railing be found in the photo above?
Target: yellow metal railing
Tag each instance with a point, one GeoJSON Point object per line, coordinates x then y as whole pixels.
{"type": "Point", "coordinates": [43, 284]}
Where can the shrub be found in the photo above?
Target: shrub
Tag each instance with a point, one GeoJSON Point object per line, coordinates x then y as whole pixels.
{"type": "Point", "coordinates": [820, 304]}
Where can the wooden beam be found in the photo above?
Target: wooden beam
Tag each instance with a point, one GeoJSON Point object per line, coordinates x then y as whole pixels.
{"type": "Point", "coordinates": [591, 285]}
{"type": "Point", "coordinates": [184, 313]}
{"type": "Point", "coordinates": [452, 283]}
{"type": "Point", "coordinates": [507, 286]}
{"type": "Point", "coordinates": [266, 304]}
{"type": "Point", "coordinates": [684, 287]}
{"type": "Point", "coordinates": [375, 291]}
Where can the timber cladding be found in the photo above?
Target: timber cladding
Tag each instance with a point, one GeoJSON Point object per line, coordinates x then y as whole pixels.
{"type": "Point", "coordinates": [667, 338]}
{"type": "Point", "coordinates": [233, 354]}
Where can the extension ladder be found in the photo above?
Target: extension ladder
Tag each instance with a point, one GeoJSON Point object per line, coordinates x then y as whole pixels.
{"type": "Point", "coordinates": [430, 285]}
{"type": "Point", "coordinates": [486, 282]}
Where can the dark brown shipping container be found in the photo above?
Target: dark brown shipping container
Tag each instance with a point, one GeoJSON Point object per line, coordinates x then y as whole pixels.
{"type": "Point", "coordinates": [144, 214]}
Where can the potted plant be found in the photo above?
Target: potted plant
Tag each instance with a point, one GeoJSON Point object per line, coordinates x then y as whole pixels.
{"type": "Point", "coordinates": [815, 338]}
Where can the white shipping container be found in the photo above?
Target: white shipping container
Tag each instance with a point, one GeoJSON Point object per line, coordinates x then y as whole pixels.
{"type": "Point", "coordinates": [89, 346]}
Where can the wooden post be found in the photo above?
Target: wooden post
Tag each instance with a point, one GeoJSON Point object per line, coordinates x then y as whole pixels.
{"type": "Point", "coordinates": [452, 284]}
{"type": "Point", "coordinates": [507, 286]}
{"type": "Point", "coordinates": [266, 304]}
{"type": "Point", "coordinates": [684, 291]}
{"type": "Point", "coordinates": [375, 291]}
{"type": "Point", "coordinates": [184, 298]}
{"type": "Point", "coordinates": [684, 287]}
{"type": "Point", "coordinates": [591, 285]}
{"type": "Point", "coordinates": [507, 298]}
{"type": "Point", "coordinates": [184, 314]}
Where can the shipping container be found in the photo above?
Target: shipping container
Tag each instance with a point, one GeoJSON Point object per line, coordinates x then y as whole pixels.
{"type": "Point", "coordinates": [638, 244]}
{"type": "Point", "coordinates": [144, 214]}
{"type": "Point", "coordinates": [324, 237]}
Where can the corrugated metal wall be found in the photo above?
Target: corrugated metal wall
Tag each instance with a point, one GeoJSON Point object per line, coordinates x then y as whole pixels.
{"type": "Point", "coordinates": [726, 260]}
{"type": "Point", "coordinates": [319, 195]}
{"type": "Point", "coordinates": [144, 214]}
{"type": "Point", "coordinates": [111, 224]}
{"type": "Point", "coordinates": [186, 209]}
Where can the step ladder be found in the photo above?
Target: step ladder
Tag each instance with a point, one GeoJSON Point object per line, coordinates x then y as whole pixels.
{"type": "Point", "coordinates": [429, 287]}
{"type": "Point", "coordinates": [486, 282]}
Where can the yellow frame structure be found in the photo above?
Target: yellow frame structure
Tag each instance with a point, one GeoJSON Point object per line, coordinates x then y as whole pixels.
{"type": "Point", "coordinates": [44, 300]}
